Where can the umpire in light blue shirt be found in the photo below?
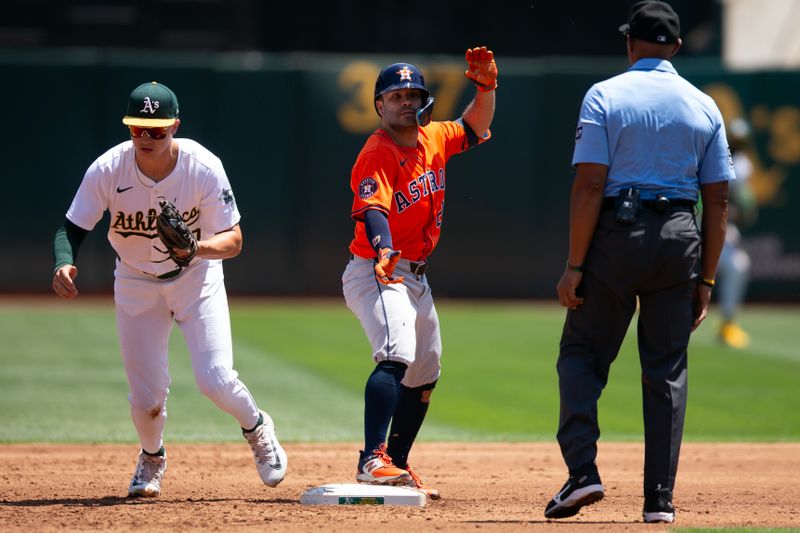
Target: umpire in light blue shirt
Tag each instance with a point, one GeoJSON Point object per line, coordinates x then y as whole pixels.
{"type": "Point", "coordinates": [647, 145]}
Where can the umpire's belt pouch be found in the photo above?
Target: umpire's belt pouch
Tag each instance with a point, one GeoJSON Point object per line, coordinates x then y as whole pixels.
{"type": "Point", "coordinates": [627, 205]}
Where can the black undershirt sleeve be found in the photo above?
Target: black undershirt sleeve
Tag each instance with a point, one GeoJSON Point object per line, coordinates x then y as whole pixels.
{"type": "Point", "coordinates": [377, 226]}
{"type": "Point", "coordinates": [472, 137]}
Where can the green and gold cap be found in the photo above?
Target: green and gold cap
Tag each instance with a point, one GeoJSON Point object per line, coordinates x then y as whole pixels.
{"type": "Point", "coordinates": [151, 105]}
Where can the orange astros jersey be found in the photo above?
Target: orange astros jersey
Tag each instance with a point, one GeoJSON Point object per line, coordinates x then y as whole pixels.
{"type": "Point", "coordinates": [407, 184]}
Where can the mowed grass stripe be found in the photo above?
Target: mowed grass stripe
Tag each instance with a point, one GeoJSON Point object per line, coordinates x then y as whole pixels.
{"type": "Point", "coordinates": [306, 363]}
{"type": "Point", "coordinates": [68, 385]}
{"type": "Point", "coordinates": [306, 406]}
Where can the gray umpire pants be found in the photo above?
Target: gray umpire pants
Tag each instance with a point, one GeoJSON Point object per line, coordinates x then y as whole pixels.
{"type": "Point", "coordinates": [654, 259]}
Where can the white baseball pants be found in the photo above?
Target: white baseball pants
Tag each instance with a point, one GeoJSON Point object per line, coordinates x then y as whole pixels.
{"type": "Point", "coordinates": [146, 308]}
{"type": "Point", "coordinates": [400, 320]}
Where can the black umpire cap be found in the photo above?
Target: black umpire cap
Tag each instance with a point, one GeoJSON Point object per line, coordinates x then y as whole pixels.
{"type": "Point", "coordinates": [653, 21]}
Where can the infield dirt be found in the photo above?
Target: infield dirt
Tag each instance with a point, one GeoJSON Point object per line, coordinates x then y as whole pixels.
{"type": "Point", "coordinates": [484, 487]}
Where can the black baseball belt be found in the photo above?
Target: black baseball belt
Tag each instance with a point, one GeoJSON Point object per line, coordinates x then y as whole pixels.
{"type": "Point", "coordinates": [167, 275]}
{"type": "Point", "coordinates": [659, 205]}
{"type": "Point", "coordinates": [171, 274]}
{"type": "Point", "coordinates": [418, 268]}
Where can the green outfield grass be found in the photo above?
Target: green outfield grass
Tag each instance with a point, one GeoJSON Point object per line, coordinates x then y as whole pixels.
{"type": "Point", "coordinates": [306, 363]}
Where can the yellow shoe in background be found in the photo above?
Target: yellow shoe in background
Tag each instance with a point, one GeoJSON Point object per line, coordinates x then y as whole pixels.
{"type": "Point", "coordinates": [731, 334]}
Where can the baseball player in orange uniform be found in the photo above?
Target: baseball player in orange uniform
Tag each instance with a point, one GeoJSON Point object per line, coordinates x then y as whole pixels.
{"type": "Point", "coordinates": [399, 185]}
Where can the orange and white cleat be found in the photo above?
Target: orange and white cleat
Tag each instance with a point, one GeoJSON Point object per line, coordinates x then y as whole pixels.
{"type": "Point", "coordinates": [376, 468]}
{"type": "Point", "coordinates": [416, 482]}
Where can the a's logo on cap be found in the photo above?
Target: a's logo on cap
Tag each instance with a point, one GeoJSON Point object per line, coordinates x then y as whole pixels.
{"type": "Point", "coordinates": [149, 106]}
{"type": "Point", "coordinates": [661, 38]}
{"type": "Point", "coordinates": [405, 73]}
{"type": "Point", "coordinates": [367, 188]}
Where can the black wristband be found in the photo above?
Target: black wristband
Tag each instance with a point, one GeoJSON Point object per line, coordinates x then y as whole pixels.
{"type": "Point", "coordinates": [574, 268]}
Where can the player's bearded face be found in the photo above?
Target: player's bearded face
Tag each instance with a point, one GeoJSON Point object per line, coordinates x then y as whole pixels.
{"type": "Point", "coordinates": [399, 108]}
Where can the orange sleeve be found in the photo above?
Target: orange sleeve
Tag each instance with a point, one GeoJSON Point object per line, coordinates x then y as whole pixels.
{"type": "Point", "coordinates": [372, 183]}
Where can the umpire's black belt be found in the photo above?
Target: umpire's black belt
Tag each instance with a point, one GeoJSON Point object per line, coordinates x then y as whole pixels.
{"type": "Point", "coordinates": [659, 205]}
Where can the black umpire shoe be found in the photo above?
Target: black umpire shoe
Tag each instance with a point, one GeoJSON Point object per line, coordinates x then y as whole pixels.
{"type": "Point", "coordinates": [577, 492]}
{"type": "Point", "coordinates": [658, 505]}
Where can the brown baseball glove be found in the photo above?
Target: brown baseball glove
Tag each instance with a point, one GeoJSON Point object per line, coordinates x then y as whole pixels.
{"type": "Point", "coordinates": [175, 234]}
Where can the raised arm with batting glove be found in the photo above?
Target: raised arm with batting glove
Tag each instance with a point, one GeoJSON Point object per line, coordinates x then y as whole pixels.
{"type": "Point", "coordinates": [481, 68]}
{"type": "Point", "coordinates": [482, 71]}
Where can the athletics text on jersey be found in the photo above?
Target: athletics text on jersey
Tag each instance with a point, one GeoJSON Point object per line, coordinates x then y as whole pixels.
{"type": "Point", "coordinates": [197, 186]}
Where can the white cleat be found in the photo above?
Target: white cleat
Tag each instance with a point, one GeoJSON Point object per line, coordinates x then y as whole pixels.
{"type": "Point", "coordinates": [271, 460]}
{"type": "Point", "coordinates": [146, 481]}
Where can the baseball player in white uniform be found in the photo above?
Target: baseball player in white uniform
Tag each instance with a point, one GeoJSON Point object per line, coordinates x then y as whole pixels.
{"type": "Point", "coordinates": [151, 292]}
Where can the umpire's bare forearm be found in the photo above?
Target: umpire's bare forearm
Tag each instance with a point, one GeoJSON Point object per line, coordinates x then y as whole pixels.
{"type": "Point", "coordinates": [586, 200]}
{"type": "Point", "coordinates": [714, 225]}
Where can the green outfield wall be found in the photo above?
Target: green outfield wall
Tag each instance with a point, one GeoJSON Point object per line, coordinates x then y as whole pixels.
{"type": "Point", "coordinates": [288, 128]}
